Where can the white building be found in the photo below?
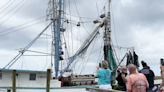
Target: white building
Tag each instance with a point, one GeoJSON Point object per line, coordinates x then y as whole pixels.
{"type": "Point", "coordinates": [33, 81]}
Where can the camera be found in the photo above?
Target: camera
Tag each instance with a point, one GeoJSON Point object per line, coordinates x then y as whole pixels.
{"type": "Point", "coordinates": [122, 73]}
{"type": "Point", "coordinates": [118, 71]}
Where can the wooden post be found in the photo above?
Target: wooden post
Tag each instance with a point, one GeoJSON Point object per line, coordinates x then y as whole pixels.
{"type": "Point", "coordinates": [14, 81]}
{"type": "Point", "coordinates": [8, 90]}
{"type": "Point", "coordinates": [48, 80]}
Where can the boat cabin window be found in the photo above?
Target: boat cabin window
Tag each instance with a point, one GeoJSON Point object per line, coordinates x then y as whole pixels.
{"type": "Point", "coordinates": [32, 76]}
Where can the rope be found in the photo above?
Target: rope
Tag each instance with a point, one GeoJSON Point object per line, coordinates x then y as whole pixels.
{"type": "Point", "coordinates": [88, 57]}
{"type": "Point", "coordinates": [98, 63]}
{"type": "Point", "coordinates": [80, 17]}
{"type": "Point", "coordinates": [20, 29]}
{"type": "Point", "coordinates": [13, 13]}
{"type": "Point", "coordinates": [22, 24]}
{"type": "Point", "coordinates": [71, 26]}
{"type": "Point", "coordinates": [5, 4]}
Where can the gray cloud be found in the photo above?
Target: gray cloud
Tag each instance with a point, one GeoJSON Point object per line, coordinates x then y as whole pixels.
{"type": "Point", "coordinates": [137, 23]}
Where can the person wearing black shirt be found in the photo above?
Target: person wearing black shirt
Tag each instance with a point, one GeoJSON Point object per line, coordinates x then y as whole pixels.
{"type": "Point", "coordinates": [120, 79]}
{"type": "Point", "coordinates": [149, 76]}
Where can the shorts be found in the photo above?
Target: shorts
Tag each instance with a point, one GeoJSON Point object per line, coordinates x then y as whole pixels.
{"type": "Point", "coordinates": [107, 87]}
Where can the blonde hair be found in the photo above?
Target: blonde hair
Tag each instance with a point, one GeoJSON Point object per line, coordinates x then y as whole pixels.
{"type": "Point", "coordinates": [105, 64]}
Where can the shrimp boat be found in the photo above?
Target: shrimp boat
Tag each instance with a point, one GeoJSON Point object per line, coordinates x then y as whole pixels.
{"type": "Point", "coordinates": [66, 79]}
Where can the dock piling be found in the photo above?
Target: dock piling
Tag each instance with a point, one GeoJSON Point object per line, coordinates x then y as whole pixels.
{"type": "Point", "coordinates": [8, 90]}
{"type": "Point", "coordinates": [14, 81]}
{"type": "Point", "coordinates": [48, 80]}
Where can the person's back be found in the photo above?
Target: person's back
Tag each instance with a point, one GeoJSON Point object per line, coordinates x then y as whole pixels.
{"type": "Point", "coordinates": [104, 76]}
{"type": "Point", "coordinates": [137, 82]}
{"type": "Point", "coordinates": [149, 76]}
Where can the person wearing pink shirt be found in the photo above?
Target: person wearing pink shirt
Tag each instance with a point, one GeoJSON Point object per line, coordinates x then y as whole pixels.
{"type": "Point", "coordinates": [136, 82]}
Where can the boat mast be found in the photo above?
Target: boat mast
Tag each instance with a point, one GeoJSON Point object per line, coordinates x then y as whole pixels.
{"type": "Point", "coordinates": [107, 35]}
{"type": "Point", "coordinates": [57, 10]}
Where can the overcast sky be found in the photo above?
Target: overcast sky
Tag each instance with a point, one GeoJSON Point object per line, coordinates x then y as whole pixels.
{"type": "Point", "coordinates": [135, 23]}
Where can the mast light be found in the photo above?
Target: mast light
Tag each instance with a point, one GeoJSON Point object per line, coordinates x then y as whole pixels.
{"type": "Point", "coordinates": [102, 15]}
{"type": "Point", "coordinates": [96, 21]}
{"type": "Point", "coordinates": [78, 24]}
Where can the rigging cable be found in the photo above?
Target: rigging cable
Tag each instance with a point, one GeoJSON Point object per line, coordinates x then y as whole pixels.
{"type": "Point", "coordinates": [114, 52]}
{"type": "Point", "coordinates": [65, 45]}
{"type": "Point", "coordinates": [68, 38]}
{"type": "Point", "coordinates": [22, 24]}
{"type": "Point", "coordinates": [18, 63]}
{"type": "Point", "coordinates": [98, 63]}
{"type": "Point", "coordinates": [114, 25]}
{"type": "Point", "coordinates": [71, 26]}
{"type": "Point", "coordinates": [115, 31]}
{"type": "Point", "coordinates": [88, 57]}
{"type": "Point", "coordinates": [97, 9]}
{"type": "Point", "coordinates": [13, 13]}
{"type": "Point", "coordinates": [75, 36]}
{"type": "Point", "coordinates": [20, 29]}
{"type": "Point", "coordinates": [52, 47]}
{"type": "Point", "coordinates": [26, 48]}
{"type": "Point", "coordinates": [98, 16]}
{"type": "Point", "coordinates": [98, 60]}
{"type": "Point", "coordinates": [80, 17]}
{"type": "Point", "coordinates": [5, 4]}
{"type": "Point", "coordinates": [46, 52]}
{"type": "Point", "coordinates": [11, 9]}
{"type": "Point", "coordinates": [24, 62]}
{"type": "Point", "coordinates": [90, 54]}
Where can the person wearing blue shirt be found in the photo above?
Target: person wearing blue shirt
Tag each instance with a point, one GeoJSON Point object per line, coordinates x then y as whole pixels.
{"type": "Point", "coordinates": [104, 76]}
{"type": "Point", "coordinates": [149, 75]}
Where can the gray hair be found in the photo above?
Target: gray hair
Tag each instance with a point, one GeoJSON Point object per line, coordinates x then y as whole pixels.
{"type": "Point", "coordinates": [105, 64]}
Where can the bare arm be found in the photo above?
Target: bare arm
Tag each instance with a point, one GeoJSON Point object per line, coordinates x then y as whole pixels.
{"type": "Point", "coordinates": [161, 85]}
{"type": "Point", "coordinates": [97, 70]}
{"type": "Point", "coordinates": [124, 78]}
{"type": "Point", "coordinates": [116, 74]}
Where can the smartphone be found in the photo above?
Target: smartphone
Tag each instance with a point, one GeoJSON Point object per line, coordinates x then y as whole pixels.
{"type": "Point", "coordinates": [162, 62]}
{"type": "Point", "coordinates": [100, 65]}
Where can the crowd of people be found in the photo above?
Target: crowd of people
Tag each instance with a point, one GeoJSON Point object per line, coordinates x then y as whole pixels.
{"type": "Point", "coordinates": [129, 79]}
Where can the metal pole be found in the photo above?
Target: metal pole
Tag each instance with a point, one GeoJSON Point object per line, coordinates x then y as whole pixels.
{"type": "Point", "coordinates": [57, 41]}
{"type": "Point", "coordinates": [54, 26]}
{"type": "Point", "coordinates": [14, 81]}
{"type": "Point", "coordinates": [48, 80]}
{"type": "Point", "coordinates": [122, 60]}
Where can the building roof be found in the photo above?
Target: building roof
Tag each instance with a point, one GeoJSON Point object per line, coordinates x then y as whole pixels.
{"type": "Point", "coordinates": [18, 70]}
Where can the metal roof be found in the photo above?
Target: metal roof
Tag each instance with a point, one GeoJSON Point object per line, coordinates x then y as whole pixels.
{"type": "Point", "coordinates": [18, 70]}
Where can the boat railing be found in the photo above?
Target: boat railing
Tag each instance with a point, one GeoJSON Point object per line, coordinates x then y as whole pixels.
{"type": "Point", "coordinates": [94, 89]}
{"type": "Point", "coordinates": [101, 90]}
